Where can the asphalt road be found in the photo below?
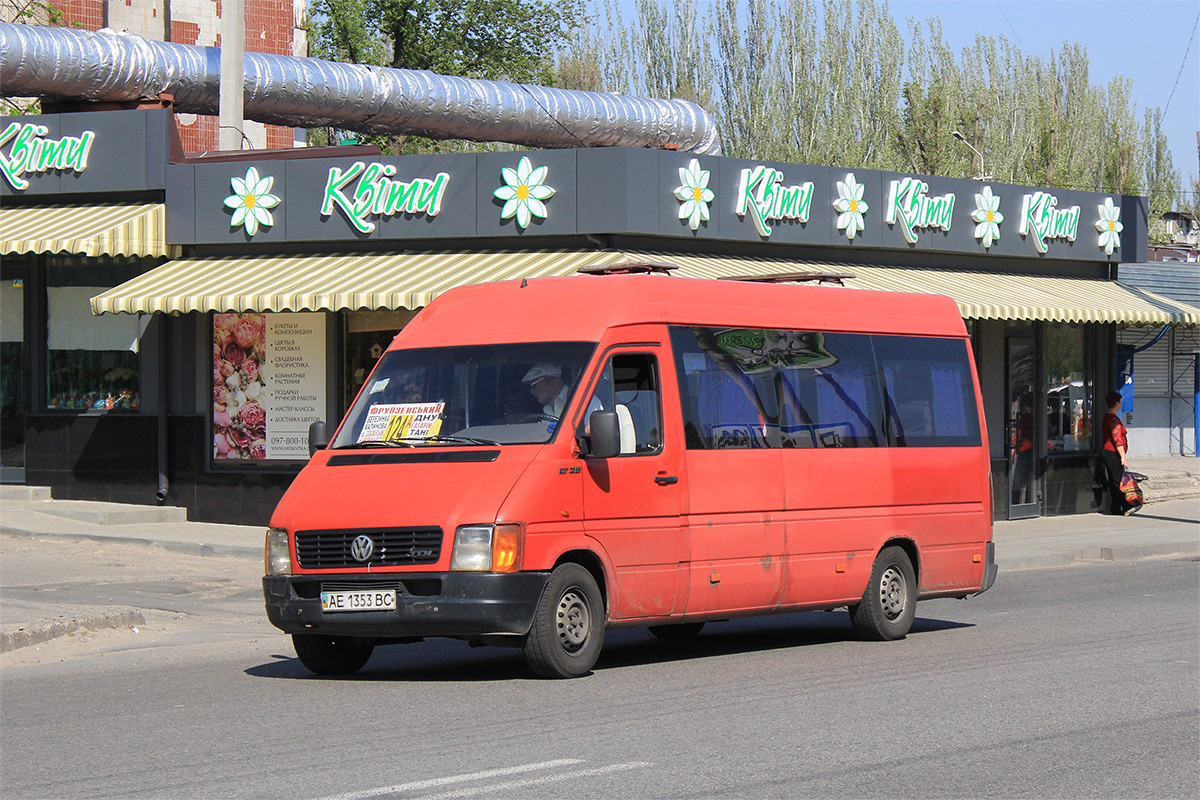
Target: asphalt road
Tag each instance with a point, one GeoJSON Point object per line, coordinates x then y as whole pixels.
{"type": "Point", "coordinates": [1079, 681]}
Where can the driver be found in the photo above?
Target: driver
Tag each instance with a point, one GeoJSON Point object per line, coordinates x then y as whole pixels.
{"type": "Point", "coordinates": [546, 385]}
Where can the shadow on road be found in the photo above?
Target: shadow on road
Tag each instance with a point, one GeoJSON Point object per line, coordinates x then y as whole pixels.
{"type": "Point", "coordinates": [1164, 519]}
{"type": "Point", "coordinates": [446, 660]}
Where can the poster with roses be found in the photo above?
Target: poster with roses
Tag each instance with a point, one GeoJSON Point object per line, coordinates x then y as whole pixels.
{"type": "Point", "coordinates": [268, 384]}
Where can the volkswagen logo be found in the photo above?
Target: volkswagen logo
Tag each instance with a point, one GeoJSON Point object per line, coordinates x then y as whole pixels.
{"type": "Point", "coordinates": [361, 548]}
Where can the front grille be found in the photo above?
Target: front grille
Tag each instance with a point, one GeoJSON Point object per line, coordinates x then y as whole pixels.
{"type": "Point", "coordinates": [391, 547]}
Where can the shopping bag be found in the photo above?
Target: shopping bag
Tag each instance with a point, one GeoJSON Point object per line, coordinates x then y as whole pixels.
{"type": "Point", "coordinates": [1131, 490]}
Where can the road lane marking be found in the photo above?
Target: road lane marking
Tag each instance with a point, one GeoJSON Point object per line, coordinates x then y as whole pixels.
{"type": "Point", "coordinates": [510, 785]}
{"type": "Point", "coordinates": [435, 783]}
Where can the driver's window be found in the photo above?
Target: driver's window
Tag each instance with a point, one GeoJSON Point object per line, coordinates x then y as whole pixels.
{"type": "Point", "coordinates": [629, 384]}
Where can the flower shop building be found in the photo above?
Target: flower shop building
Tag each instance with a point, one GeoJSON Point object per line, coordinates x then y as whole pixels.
{"type": "Point", "coordinates": [172, 325]}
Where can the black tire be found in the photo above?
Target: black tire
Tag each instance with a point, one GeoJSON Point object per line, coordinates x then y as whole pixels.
{"type": "Point", "coordinates": [568, 626]}
{"type": "Point", "coordinates": [677, 631]}
{"type": "Point", "coordinates": [331, 655]}
{"type": "Point", "coordinates": [890, 601]}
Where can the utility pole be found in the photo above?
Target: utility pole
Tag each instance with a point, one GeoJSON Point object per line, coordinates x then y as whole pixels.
{"type": "Point", "coordinates": [982, 176]}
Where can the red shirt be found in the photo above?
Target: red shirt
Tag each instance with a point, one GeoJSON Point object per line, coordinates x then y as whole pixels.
{"type": "Point", "coordinates": [1114, 433]}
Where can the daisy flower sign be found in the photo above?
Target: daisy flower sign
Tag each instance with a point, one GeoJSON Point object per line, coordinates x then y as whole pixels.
{"type": "Point", "coordinates": [693, 194]}
{"type": "Point", "coordinates": [251, 202]}
{"type": "Point", "coordinates": [524, 192]}
{"type": "Point", "coordinates": [1109, 226]}
{"type": "Point", "coordinates": [987, 217]}
{"type": "Point", "coordinates": [850, 206]}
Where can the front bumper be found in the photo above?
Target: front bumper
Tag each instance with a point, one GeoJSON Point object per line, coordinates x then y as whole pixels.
{"type": "Point", "coordinates": [458, 604]}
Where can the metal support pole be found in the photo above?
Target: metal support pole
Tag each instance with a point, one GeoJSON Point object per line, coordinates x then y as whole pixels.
{"type": "Point", "coordinates": [1196, 404]}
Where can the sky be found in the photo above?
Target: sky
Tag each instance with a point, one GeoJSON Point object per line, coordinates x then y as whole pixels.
{"type": "Point", "coordinates": [1143, 40]}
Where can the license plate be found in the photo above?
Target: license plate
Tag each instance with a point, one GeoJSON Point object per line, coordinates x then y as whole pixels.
{"type": "Point", "coordinates": [374, 600]}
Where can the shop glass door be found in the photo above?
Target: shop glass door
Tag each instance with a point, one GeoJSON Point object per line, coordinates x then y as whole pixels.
{"type": "Point", "coordinates": [14, 388]}
{"type": "Point", "coordinates": [1022, 430]}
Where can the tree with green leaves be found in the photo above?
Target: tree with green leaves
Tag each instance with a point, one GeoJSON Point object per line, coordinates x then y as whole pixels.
{"type": "Point", "coordinates": [831, 82]}
{"type": "Point", "coordinates": [508, 40]}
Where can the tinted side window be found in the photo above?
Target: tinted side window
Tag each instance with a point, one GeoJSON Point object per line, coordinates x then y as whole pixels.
{"type": "Point", "coordinates": [726, 387]}
{"type": "Point", "coordinates": [930, 391]}
{"type": "Point", "coordinates": [829, 391]}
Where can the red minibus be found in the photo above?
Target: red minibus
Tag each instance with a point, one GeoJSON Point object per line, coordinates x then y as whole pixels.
{"type": "Point", "coordinates": [532, 462]}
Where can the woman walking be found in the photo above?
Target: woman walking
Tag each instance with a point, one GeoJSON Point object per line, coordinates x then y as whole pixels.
{"type": "Point", "coordinates": [1113, 455]}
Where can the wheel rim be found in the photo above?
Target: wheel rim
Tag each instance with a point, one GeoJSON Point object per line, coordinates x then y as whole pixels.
{"type": "Point", "coordinates": [574, 620]}
{"type": "Point", "coordinates": [893, 592]}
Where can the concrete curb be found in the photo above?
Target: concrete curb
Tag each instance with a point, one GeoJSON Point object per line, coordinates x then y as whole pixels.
{"type": "Point", "coordinates": [1130, 552]}
{"type": "Point", "coordinates": [183, 547]}
{"type": "Point", "coordinates": [46, 630]}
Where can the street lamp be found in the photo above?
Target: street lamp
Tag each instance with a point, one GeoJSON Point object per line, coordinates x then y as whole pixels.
{"type": "Point", "coordinates": [983, 177]}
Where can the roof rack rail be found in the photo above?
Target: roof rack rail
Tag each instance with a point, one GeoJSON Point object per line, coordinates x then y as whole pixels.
{"type": "Point", "coordinates": [633, 268]}
{"type": "Point", "coordinates": [794, 277]}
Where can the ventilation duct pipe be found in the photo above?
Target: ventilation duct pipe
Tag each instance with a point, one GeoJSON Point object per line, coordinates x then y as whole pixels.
{"type": "Point", "coordinates": [66, 63]}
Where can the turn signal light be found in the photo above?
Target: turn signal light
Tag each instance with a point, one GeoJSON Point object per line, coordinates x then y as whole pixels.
{"type": "Point", "coordinates": [506, 548]}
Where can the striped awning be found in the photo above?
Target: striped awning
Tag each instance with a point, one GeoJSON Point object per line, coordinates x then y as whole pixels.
{"type": "Point", "coordinates": [410, 280]}
{"type": "Point", "coordinates": [100, 230]}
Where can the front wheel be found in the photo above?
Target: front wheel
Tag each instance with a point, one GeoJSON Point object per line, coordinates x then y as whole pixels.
{"type": "Point", "coordinates": [890, 601]}
{"type": "Point", "coordinates": [568, 626]}
{"type": "Point", "coordinates": [331, 655]}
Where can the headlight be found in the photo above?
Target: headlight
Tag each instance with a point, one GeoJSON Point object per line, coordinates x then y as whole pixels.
{"type": "Point", "coordinates": [487, 548]}
{"type": "Point", "coordinates": [278, 555]}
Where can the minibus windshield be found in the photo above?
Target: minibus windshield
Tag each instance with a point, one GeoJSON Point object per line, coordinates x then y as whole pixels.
{"type": "Point", "coordinates": [487, 394]}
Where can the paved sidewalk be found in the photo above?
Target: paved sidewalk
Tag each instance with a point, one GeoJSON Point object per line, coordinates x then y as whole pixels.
{"type": "Point", "coordinates": [1164, 527]}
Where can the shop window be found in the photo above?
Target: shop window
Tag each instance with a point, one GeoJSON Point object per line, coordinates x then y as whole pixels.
{"type": "Point", "coordinates": [269, 384]}
{"type": "Point", "coordinates": [1070, 378]}
{"type": "Point", "coordinates": [89, 364]}
{"type": "Point", "coordinates": [367, 336]}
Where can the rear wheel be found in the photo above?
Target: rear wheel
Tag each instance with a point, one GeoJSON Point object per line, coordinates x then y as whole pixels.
{"type": "Point", "coordinates": [568, 626]}
{"type": "Point", "coordinates": [680, 630]}
{"type": "Point", "coordinates": [331, 655]}
{"type": "Point", "coordinates": [890, 601]}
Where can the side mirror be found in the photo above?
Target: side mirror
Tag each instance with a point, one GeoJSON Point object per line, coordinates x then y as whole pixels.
{"type": "Point", "coordinates": [318, 437]}
{"type": "Point", "coordinates": [605, 434]}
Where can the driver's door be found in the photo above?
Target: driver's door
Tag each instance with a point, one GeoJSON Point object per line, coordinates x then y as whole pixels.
{"type": "Point", "coordinates": [632, 501]}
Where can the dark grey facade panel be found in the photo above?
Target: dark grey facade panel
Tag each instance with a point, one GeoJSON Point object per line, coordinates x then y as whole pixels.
{"type": "Point", "coordinates": [622, 205]}
{"type": "Point", "coordinates": [180, 197]}
{"type": "Point", "coordinates": [126, 151]}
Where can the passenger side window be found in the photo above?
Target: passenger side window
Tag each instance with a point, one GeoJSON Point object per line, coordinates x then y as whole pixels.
{"type": "Point", "coordinates": [725, 382]}
{"type": "Point", "coordinates": [831, 398]}
{"type": "Point", "coordinates": [630, 385]}
{"type": "Point", "coordinates": [746, 388]}
{"type": "Point", "coordinates": [929, 391]}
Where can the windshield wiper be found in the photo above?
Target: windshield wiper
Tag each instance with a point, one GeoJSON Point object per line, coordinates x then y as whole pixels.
{"type": "Point", "coordinates": [388, 443]}
{"type": "Point", "coordinates": [461, 440]}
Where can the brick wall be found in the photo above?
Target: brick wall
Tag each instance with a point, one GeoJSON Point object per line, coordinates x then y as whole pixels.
{"type": "Point", "coordinates": [272, 26]}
